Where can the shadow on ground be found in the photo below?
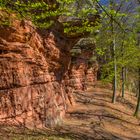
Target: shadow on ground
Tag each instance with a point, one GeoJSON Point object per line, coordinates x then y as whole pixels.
{"type": "Point", "coordinates": [93, 118]}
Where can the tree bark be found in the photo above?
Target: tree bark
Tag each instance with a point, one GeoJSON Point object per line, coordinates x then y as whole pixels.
{"type": "Point", "coordinates": [138, 100]}
{"type": "Point", "coordinates": [123, 81]}
{"type": "Point", "coordinates": [115, 73]}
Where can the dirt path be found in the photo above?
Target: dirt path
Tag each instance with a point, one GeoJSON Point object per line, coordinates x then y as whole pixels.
{"type": "Point", "coordinates": [95, 117]}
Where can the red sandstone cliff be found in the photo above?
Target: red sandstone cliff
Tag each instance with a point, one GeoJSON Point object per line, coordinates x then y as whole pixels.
{"type": "Point", "coordinates": [83, 69]}
{"type": "Point", "coordinates": [35, 73]}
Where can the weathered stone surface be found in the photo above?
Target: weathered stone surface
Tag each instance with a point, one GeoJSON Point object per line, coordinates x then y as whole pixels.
{"type": "Point", "coordinates": [37, 75]}
{"type": "Point", "coordinates": [83, 71]}
{"type": "Point", "coordinates": [32, 67]}
{"type": "Point", "coordinates": [91, 74]}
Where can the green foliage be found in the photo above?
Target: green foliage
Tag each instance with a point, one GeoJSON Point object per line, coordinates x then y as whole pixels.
{"type": "Point", "coordinates": [117, 24]}
{"type": "Point", "coordinates": [45, 14]}
{"type": "Point", "coordinates": [5, 19]}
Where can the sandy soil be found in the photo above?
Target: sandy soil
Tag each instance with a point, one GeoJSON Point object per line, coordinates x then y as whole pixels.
{"type": "Point", "coordinates": [93, 118]}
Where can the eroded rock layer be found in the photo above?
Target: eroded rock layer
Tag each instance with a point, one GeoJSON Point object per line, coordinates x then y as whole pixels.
{"type": "Point", "coordinates": [84, 65]}
{"type": "Point", "coordinates": [36, 75]}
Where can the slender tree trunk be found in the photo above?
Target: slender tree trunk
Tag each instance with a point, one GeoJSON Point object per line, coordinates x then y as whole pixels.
{"type": "Point", "coordinates": [113, 52]}
{"type": "Point", "coordinates": [138, 100]}
{"type": "Point", "coordinates": [123, 69]}
{"type": "Point", "coordinates": [115, 73]}
{"type": "Point", "coordinates": [123, 82]}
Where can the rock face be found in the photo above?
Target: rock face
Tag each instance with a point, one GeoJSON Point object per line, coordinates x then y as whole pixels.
{"type": "Point", "coordinates": [35, 73]}
{"type": "Point", "coordinates": [83, 67]}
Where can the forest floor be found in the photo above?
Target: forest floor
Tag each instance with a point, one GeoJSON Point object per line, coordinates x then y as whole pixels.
{"type": "Point", "coordinates": [93, 117]}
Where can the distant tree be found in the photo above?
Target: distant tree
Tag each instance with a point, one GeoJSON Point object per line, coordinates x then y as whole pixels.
{"type": "Point", "coordinates": [138, 66]}
{"type": "Point", "coordinates": [113, 43]}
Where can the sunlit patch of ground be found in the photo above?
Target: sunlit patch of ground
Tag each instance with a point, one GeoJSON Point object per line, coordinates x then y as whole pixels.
{"type": "Point", "coordinates": [95, 117]}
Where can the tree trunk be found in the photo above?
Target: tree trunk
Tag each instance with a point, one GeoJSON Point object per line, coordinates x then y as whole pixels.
{"type": "Point", "coordinates": [123, 81]}
{"type": "Point", "coordinates": [138, 100]}
{"type": "Point", "coordinates": [115, 73]}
